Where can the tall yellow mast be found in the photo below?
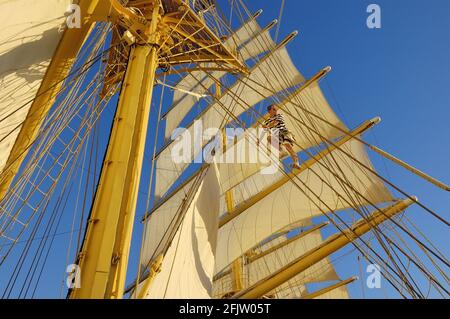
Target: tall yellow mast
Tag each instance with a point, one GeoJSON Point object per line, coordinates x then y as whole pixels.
{"type": "Point", "coordinates": [104, 255]}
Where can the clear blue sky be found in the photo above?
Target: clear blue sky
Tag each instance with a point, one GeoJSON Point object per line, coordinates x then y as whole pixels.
{"type": "Point", "coordinates": [400, 72]}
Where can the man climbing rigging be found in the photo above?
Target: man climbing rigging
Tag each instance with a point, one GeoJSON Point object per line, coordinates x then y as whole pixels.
{"type": "Point", "coordinates": [276, 126]}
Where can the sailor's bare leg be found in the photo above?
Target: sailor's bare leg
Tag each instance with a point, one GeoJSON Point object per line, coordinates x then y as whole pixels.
{"type": "Point", "coordinates": [281, 153]}
{"type": "Point", "coordinates": [294, 156]}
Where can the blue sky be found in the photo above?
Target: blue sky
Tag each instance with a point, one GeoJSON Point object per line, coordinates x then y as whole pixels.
{"type": "Point", "coordinates": [400, 72]}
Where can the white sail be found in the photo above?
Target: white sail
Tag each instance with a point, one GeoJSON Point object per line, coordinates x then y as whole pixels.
{"type": "Point", "coordinates": [262, 42]}
{"type": "Point", "coordinates": [289, 204]}
{"type": "Point", "coordinates": [243, 34]}
{"type": "Point", "coordinates": [289, 290]}
{"type": "Point", "coordinates": [273, 79]}
{"type": "Point", "coordinates": [30, 33]}
{"type": "Point", "coordinates": [197, 82]}
{"type": "Point", "coordinates": [267, 264]}
{"type": "Point", "coordinates": [159, 221]}
{"type": "Point", "coordinates": [270, 263]}
{"type": "Point", "coordinates": [188, 265]}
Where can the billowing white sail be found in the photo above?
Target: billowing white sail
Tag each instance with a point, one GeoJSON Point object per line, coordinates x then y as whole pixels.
{"type": "Point", "coordinates": [188, 265]}
{"type": "Point", "coordinates": [30, 32]}
{"type": "Point", "coordinates": [275, 73]}
{"type": "Point", "coordinates": [159, 221]}
{"type": "Point", "coordinates": [289, 204]}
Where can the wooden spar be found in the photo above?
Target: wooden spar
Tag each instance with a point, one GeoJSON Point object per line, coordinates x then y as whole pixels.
{"type": "Point", "coordinates": [410, 168]}
{"type": "Point", "coordinates": [329, 246]}
{"type": "Point", "coordinates": [154, 270]}
{"type": "Point", "coordinates": [305, 165]}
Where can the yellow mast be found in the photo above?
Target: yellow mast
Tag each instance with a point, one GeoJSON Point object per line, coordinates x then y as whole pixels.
{"type": "Point", "coordinates": [104, 255]}
{"type": "Point", "coordinates": [103, 273]}
{"type": "Point", "coordinates": [154, 269]}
